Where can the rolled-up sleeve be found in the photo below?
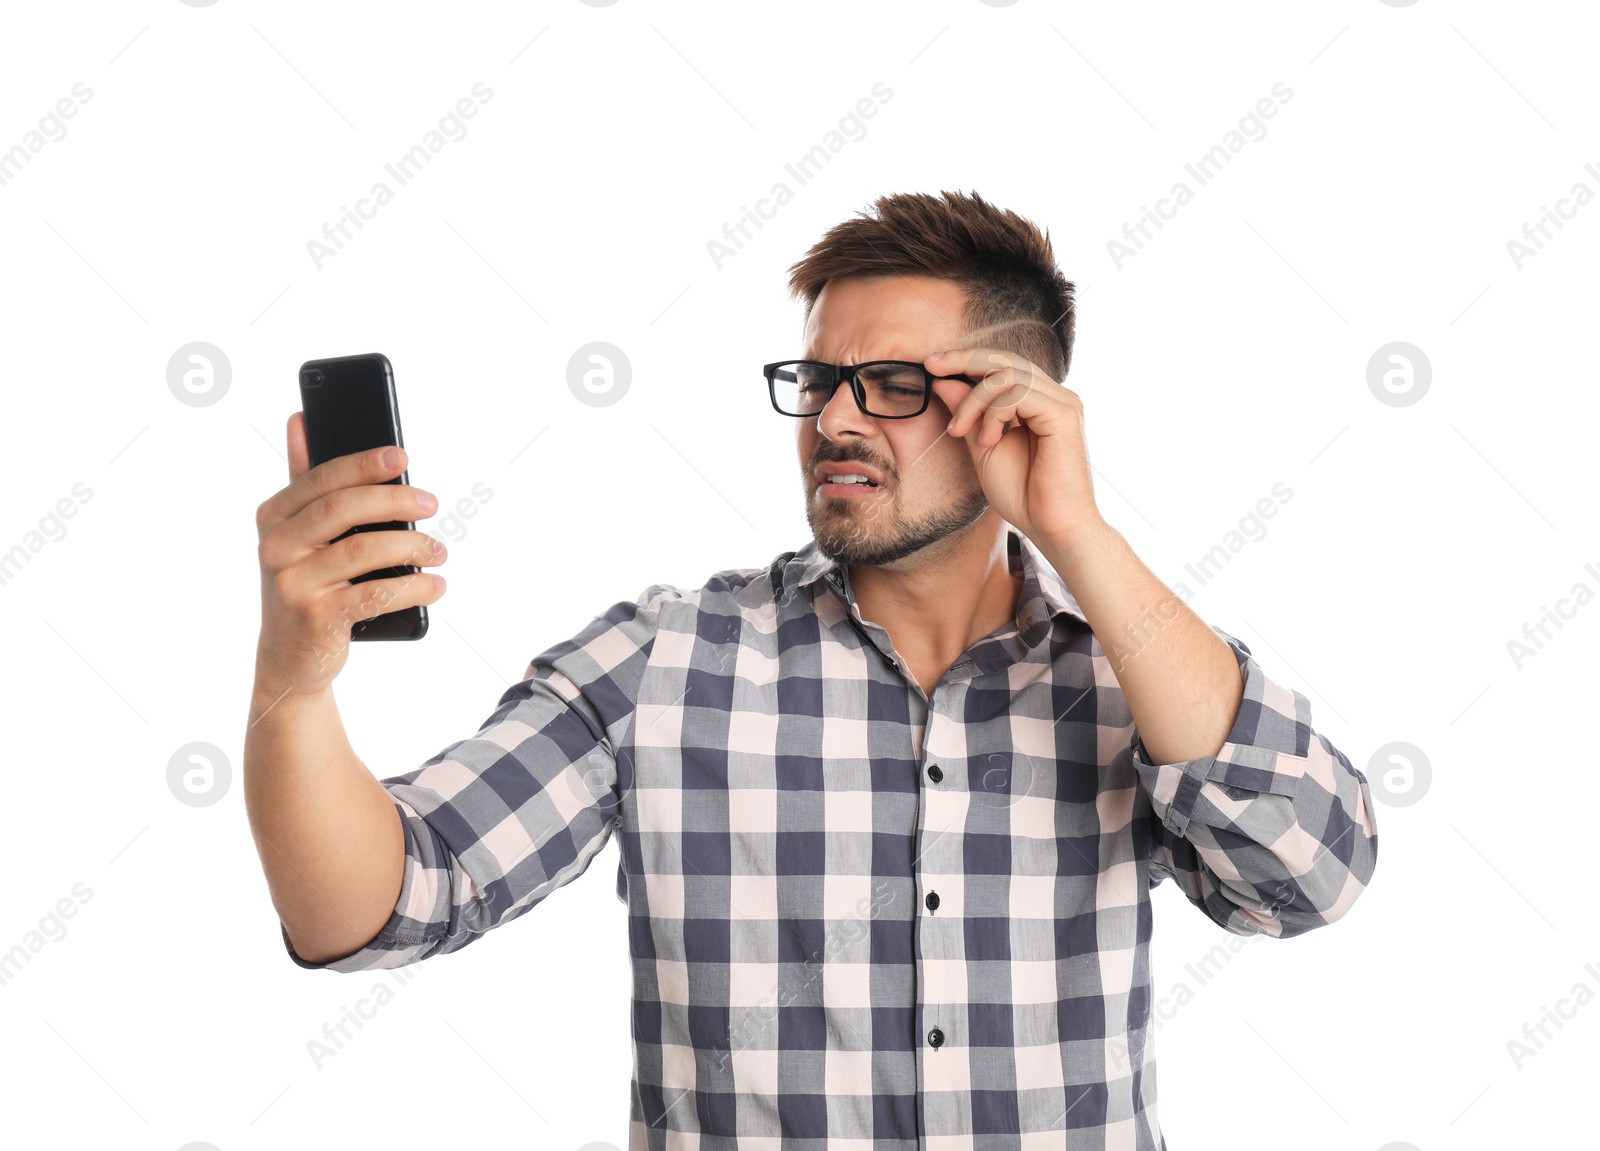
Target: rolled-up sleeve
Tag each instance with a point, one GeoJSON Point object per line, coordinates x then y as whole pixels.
{"type": "Point", "coordinates": [1275, 834]}
{"type": "Point", "coordinates": [496, 822]}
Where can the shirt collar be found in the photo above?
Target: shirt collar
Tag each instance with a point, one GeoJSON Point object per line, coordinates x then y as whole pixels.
{"type": "Point", "coordinates": [1044, 593]}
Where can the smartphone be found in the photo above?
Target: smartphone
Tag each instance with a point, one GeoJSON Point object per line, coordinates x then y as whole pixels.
{"type": "Point", "coordinates": [350, 406]}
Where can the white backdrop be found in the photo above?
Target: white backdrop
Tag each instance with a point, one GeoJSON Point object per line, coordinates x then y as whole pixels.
{"type": "Point", "coordinates": [1227, 353]}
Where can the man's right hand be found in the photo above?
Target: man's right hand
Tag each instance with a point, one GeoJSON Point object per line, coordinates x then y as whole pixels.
{"type": "Point", "coordinates": [308, 603]}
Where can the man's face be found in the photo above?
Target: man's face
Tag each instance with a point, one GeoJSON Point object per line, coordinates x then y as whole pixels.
{"type": "Point", "coordinates": [929, 488]}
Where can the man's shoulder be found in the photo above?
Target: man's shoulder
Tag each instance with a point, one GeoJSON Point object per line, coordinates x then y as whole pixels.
{"type": "Point", "coordinates": [734, 588]}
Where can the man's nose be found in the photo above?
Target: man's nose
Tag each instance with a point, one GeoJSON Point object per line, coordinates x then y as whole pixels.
{"type": "Point", "coordinates": [841, 413]}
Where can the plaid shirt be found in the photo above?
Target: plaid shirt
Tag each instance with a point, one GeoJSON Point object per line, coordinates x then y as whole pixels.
{"type": "Point", "coordinates": [861, 917]}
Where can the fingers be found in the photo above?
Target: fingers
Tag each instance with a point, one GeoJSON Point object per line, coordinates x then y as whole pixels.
{"type": "Point", "coordinates": [309, 600]}
{"type": "Point", "coordinates": [324, 520]}
{"type": "Point", "coordinates": [976, 363]}
{"type": "Point", "coordinates": [364, 552]}
{"type": "Point", "coordinates": [1002, 385]}
{"type": "Point", "coordinates": [1001, 382]}
{"type": "Point", "coordinates": [376, 597]}
{"type": "Point", "coordinates": [309, 486]}
{"type": "Point", "coordinates": [989, 406]}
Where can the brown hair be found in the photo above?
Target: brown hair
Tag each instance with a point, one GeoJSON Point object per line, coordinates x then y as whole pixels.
{"type": "Point", "coordinates": [1003, 261]}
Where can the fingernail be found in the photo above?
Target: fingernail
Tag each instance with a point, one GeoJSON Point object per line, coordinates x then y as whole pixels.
{"type": "Point", "coordinates": [391, 458]}
{"type": "Point", "coordinates": [438, 547]}
{"type": "Point", "coordinates": [937, 356]}
{"type": "Point", "coordinates": [428, 501]}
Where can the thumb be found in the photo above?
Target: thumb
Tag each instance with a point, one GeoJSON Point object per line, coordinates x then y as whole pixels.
{"type": "Point", "coordinates": [950, 392]}
{"type": "Point", "coordinates": [299, 450]}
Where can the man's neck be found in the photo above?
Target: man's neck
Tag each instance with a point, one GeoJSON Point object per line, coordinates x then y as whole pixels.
{"type": "Point", "coordinates": [936, 611]}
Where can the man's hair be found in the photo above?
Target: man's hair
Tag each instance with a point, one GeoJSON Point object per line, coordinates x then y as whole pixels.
{"type": "Point", "coordinates": [1017, 299]}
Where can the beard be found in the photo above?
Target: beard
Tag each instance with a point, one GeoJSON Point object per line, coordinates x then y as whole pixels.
{"type": "Point", "coordinates": [872, 532]}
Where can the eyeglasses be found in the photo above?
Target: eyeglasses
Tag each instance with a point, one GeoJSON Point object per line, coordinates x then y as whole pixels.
{"type": "Point", "coordinates": [884, 389]}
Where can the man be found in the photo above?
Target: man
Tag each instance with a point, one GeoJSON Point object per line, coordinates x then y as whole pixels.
{"type": "Point", "coordinates": [888, 809]}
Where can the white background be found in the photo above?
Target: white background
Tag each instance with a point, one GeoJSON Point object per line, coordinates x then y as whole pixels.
{"type": "Point", "coordinates": [1229, 355]}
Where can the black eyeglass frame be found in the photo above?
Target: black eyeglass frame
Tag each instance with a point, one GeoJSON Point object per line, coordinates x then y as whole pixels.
{"type": "Point", "coordinates": [852, 371]}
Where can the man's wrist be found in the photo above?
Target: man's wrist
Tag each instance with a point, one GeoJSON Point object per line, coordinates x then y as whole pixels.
{"type": "Point", "coordinates": [1089, 538]}
{"type": "Point", "coordinates": [268, 698]}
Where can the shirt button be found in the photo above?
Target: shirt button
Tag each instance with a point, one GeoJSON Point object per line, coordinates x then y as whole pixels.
{"type": "Point", "coordinates": [935, 1037]}
{"type": "Point", "coordinates": [935, 773]}
{"type": "Point", "coordinates": [932, 901]}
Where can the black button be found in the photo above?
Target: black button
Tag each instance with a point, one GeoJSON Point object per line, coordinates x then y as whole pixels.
{"type": "Point", "coordinates": [935, 1037]}
{"type": "Point", "coordinates": [932, 901]}
{"type": "Point", "coordinates": [935, 773]}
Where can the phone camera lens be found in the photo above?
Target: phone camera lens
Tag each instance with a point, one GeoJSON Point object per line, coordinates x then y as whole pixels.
{"type": "Point", "coordinates": [311, 378]}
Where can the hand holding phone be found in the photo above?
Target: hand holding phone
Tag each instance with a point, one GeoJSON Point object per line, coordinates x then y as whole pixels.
{"type": "Point", "coordinates": [316, 571]}
{"type": "Point", "coordinates": [350, 406]}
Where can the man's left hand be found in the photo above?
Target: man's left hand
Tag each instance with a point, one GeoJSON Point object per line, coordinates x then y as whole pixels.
{"type": "Point", "coordinates": [1025, 433]}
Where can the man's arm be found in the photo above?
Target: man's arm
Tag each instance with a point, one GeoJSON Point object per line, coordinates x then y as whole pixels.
{"type": "Point", "coordinates": [327, 832]}
{"type": "Point", "coordinates": [1180, 679]}
{"type": "Point", "coordinates": [329, 837]}
{"type": "Point", "coordinates": [1264, 824]}
{"type": "Point", "coordinates": [493, 824]}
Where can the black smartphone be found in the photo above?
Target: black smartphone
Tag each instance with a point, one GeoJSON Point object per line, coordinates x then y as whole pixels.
{"type": "Point", "coordinates": [350, 406]}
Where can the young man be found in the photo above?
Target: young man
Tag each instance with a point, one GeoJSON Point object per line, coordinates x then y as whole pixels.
{"type": "Point", "coordinates": [889, 809]}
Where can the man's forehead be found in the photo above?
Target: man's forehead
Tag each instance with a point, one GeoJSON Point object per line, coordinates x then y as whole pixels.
{"type": "Point", "coordinates": [905, 311]}
{"type": "Point", "coordinates": [883, 338]}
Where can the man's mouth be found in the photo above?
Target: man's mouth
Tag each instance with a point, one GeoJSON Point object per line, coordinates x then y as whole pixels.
{"type": "Point", "coordinates": [848, 479]}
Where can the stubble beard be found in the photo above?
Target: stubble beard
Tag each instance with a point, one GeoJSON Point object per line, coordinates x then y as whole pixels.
{"type": "Point", "coordinates": [871, 532]}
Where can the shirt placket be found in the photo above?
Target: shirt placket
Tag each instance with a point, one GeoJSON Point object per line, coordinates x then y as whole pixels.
{"type": "Point", "coordinates": [938, 950]}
